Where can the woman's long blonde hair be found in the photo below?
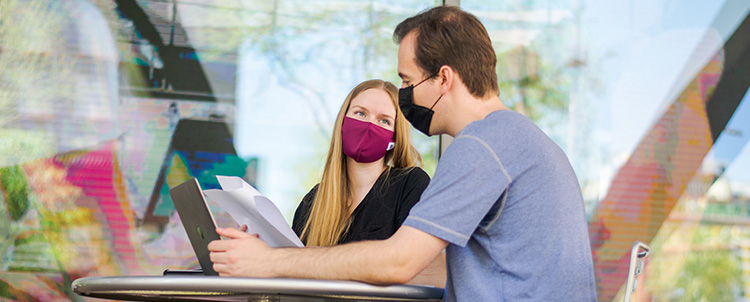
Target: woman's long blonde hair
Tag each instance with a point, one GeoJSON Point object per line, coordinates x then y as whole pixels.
{"type": "Point", "coordinates": [329, 217]}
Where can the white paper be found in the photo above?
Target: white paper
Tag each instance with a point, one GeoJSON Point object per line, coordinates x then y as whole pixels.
{"type": "Point", "coordinates": [247, 206]}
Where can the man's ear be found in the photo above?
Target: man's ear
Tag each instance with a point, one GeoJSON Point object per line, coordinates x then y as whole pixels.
{"type": "Point", "coordinates": [447, 75]}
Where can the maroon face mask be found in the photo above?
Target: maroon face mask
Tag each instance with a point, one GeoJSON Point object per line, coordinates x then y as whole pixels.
{"type": "Point", "coordinates": [365, 142]}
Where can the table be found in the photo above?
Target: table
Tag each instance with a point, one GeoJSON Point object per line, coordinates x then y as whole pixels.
{"type": "Point", "coordinates": [210, 288]}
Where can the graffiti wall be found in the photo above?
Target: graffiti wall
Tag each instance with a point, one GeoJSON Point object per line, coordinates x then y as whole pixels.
{"type": "Point", "coordinates": [103, 107]}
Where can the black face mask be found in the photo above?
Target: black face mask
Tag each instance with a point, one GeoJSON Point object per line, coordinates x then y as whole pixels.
{"type": "Point", "coordinates": [419, 116]}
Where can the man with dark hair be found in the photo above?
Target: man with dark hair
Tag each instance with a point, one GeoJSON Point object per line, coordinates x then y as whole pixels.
{"type": "Point", "coordinates": [450, 36]}
{"type": "Point", "coordinates": [504, 203]}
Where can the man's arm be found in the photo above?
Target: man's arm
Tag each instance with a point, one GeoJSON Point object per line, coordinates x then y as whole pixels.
{"type": "Point", "coordinates": [434, 274]}
{"type": "Point", "coordinates": [392, 261]}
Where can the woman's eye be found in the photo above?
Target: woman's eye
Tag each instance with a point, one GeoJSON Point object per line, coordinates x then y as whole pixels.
{"type": "Point", "coordinates": [385, 121]}
{"type": "Point", "coordinates": [359, 113]}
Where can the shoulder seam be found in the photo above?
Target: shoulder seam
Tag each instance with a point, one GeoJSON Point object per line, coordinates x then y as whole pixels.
{"type": "Point", "coordinates": [499, 211]}
{"type": "Point", "coordinates": [486, 146]}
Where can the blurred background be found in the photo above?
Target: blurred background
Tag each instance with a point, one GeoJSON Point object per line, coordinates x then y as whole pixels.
{"type": "Point", "coordinates": [105, 104]}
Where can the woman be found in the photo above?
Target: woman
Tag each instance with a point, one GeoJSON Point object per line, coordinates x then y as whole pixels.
{"type": "Point", "coordinates": [372, 176]}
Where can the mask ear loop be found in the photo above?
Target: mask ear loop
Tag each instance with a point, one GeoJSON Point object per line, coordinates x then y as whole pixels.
{"type": "Point", "coordinates": [430, 77]}
{"type": "Point", "coordinates": [438, 100]}
{"type": "Point", "coordinates": [425, 79]}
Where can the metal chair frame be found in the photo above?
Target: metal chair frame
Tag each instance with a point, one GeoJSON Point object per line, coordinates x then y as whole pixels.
{"type": "Point", "coordinates": [639, 251]}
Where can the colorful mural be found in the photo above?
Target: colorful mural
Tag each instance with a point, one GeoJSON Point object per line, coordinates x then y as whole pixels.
{"type": "Point", "coordinates": [76, 214]}
{"type": "Point", "coordinates": [651, 115]}
{"type": "Point", "coordinates": [651, 182]}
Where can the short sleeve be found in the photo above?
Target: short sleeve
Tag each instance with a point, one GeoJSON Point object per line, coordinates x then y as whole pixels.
{"type": "Point", "coordinates": [468, 181]}
{"type": "Point", "coordinates": [302, 214]}
{"type": "Point", "coordinates": [415, 184]}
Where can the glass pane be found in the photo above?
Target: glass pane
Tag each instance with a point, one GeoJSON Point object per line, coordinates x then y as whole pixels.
{"type": "Point", "coordinates": [105, 105]}
{"type": "Point", "coordinates": [649, 101]}
{"type": "Point", "coordinates": [293, 78]}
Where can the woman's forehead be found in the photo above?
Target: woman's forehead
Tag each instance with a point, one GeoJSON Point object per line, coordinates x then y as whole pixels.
{"type": "Point", "coordinates": [375, 100]}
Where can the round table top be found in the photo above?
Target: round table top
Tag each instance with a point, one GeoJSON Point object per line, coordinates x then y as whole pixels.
{"type": "Point", "coordinates": [211, 288]}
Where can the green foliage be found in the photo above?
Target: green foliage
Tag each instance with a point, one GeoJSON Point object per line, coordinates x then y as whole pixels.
{"type": "Point", "coordinates": [14, 186]}
{"type": "Point", "coordinates": [34, 238]}
{"type": "Point", "coordinates": [710, 276]}
{"type": "Point", "coordinates": [5, 291]}
{"type": "Point", "coordinates": [703, 269]}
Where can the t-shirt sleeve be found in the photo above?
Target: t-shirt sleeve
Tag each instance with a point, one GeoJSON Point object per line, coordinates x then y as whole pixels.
{"type": "Point", "coordinates": [468, 181]}
{"type": "Point", "coordinates": [303, 211]}
{"type": "Point", "coordinates": [416, 181]}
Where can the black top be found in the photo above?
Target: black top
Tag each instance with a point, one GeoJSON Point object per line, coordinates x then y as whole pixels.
{"type": "Point", "coordinates": [383, 209]}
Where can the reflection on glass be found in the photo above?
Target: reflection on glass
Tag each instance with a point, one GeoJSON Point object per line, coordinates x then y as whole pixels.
{"type": "Point", "coordinates": [93, 95]}
{"type": "Point", "coordinates": [293, 76]}
{"type": "Point", "coordinates": [647, 100]}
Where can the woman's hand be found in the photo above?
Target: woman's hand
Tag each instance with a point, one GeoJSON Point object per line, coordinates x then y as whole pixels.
{"type": "Point", "coordinates": [240, 254]}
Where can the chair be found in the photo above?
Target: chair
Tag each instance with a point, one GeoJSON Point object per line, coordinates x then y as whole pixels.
{"type": "Point", "coordinates": [639, 251]}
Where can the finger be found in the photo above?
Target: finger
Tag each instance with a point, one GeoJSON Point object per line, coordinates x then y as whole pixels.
{"type": "Point", "coordinates": [220, 268]}
{"type": "Point", "coordinates": [232, 233]}
{"type": "Point", "coordinates": [218, 246]}
{"type": "Point", "coordinates": [216, 257]}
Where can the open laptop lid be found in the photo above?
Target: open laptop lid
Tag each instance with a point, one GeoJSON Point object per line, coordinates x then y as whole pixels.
{"type": "Point", "coordinates": [197, 219]}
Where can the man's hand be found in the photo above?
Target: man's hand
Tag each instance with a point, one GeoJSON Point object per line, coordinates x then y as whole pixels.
{"type": "Point", "coordinates": [240, 255]}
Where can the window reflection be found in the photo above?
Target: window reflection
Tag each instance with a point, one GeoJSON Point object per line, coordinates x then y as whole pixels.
{"type": "Point", "coordinates": [292, 82]}
{"type": "Point", "coordinates": [105, 104]}
{"type": "Point", "coordinates": [645, 100]}
{"type": "Point", "coordinates": [649, 100]}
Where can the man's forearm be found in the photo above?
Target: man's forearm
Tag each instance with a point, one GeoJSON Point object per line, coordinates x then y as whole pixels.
{"type": "Point", "coordinates": [434, 274]}
{"type": "Point", "coordinates": [368, 261]}
{"type": "Point", "coordinates": [394, 260]}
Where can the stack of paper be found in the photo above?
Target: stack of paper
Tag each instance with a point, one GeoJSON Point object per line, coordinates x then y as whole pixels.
{"type": "Point", "coordinates": [247, 206]}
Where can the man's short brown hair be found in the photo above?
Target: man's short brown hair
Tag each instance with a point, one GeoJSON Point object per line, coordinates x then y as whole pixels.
{"type": "Point", "coordinates": [447, 35]}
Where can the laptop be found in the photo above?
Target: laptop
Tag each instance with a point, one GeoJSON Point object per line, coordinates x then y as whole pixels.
{"type": "Point", "coordinates": [199, 224]}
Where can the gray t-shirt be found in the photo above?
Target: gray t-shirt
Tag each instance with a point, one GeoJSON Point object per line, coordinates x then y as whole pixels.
{"type": "Point", "coordinates": [508, 201]}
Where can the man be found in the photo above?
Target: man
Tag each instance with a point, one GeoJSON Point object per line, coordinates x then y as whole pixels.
{"type": "Point", "coordinates": [504, 202]}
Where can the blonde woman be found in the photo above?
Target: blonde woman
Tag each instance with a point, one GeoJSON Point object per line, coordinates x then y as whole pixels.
{"type": "Point", "coordinates": [372, 176]}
